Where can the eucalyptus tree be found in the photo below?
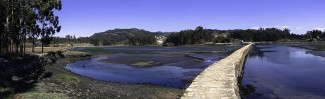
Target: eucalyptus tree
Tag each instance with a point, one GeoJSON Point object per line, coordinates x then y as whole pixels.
{"type": "Point", "coordinates": [22, 18]}
{"type": "Point", "coordinates": [2, 25]}
{"type": "Point", "coordinates": [48, 22]}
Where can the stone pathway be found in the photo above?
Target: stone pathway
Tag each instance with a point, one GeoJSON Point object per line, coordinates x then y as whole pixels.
{"type": "Point", "coordinates": [220, 80]}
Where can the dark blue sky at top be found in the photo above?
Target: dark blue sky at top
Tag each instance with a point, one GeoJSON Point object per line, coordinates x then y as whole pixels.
{"type": "Point", "coordinates": [85, 17]}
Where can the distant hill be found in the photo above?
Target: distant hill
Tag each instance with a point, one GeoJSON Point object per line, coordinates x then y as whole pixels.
{"type": "Point", "coordinates": [125, 33]}
{"type": "Point", "coordinates": [120, 36]}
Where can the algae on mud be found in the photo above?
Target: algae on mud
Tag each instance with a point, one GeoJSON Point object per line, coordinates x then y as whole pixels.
{"type": "Point", "coordinates": [154, 65]}
{"type": "Point", "coordinates": [67, 78]}
{"type": "Point", "coordinates": [144, 63]}
{"type": "Point", "coordinates": [62, 83]}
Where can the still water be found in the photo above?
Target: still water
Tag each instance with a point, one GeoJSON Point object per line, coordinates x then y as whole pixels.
{"type": "Point", "coordinates": [178, 66]}
{"type": "Point", "coordinates": [284, 72]}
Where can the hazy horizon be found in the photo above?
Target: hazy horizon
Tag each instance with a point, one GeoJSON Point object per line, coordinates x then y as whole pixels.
{"type": "Point", "coordinates": [85, 17]}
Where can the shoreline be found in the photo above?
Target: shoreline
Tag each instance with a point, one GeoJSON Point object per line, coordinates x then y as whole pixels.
{"type": "Point", "coordinates": [105, 89]}
{"type": "Point", "coordinates": [60, 83]}
{"type": "Point", "coordinates": [87, 87]}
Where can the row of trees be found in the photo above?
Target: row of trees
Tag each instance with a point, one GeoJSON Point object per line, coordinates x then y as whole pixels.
{"type": "Point", "coordinates": [200, 36]}
{"type": "Point", "coordinates": [142, 41]}
{"type": "Point", "coordinates": [134, 41]}
{"type": "Point", "coordinates": [274, 34]}
{"type": "Point", "coordinates": [316, 35]}
{"type": "Point", "coordinates": [65, 40]}
{"type": "Point", "coordinates": [73, 40]}
{"type": "Point", "coordinates": [131, 36]}
{"type": "Point", "coordinates": [197, 36]}
{"type": "Point", "coordinates": [137, 37]}
{"type": "Point", "coordinates": [268, 34]}
{"type": "Point", "coordinates": [21, 19]}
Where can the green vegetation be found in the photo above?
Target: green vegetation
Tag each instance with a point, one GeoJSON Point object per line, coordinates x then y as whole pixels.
{"type": "Point", "coordinates": [131, 36]}
{"type": "Point", "coordinates": [67, 78]}
{"type": "Point", "coordinates": [19, 75]}
{"type": "Point", "coordinates": [268, 34]}
{"type": "Point", "coordinates": [274, 34]}
{"type": "Point", "coordinates": [93, 50]}
{"type": "Point", "coordinates": [22, 19]}
{"type": "Point", "coordinates": [197, 36]}
{"type": "Point", "coordinates": [41, 96]}
{"type": "Point", "coordinates": [315, 35]}
{"type": "Point", "coordinates": [142, 41]}
{"type": "Point", "coordinates": [201, 36]}
{"type": "Point", "coordinates": [144, 64]}
{"type": "Point", "coordinates": [75, 54]}
{"type": "Point", "coordinates": [313, 46]}
{"type": "Point", "coordinates": [139, 37]}
{"type": "Point", "coordinates": [319, 47]}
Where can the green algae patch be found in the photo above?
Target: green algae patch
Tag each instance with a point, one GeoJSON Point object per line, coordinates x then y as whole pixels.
{"type": "Point", "coordinates": [144, 63]}
{"type": "Point", "coordinates": [76, 54]}
{"type": "Point", "coordinates": [67, 78]}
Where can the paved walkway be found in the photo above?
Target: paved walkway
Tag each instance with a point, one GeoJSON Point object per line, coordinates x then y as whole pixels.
{"type": "Point", "coordinates": [220, 80]}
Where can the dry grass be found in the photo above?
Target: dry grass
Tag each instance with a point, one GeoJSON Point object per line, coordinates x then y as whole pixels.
{"type": "Point", "coordinates": [46, 49]}
{"type": "Point", "coordinates": [41, 96]}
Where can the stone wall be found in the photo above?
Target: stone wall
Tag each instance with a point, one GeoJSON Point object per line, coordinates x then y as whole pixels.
{"type": "Point", "coordinates": [220, 80]}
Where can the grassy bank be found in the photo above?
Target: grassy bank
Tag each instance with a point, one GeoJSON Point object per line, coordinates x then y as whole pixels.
{"type": "Point", "coordinates": [26, 77]}
{"type": "Point", "coordinates": [55, 82]}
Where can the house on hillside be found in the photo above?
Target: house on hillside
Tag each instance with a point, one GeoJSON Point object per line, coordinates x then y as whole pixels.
{"type": "Point", "coordinates": [216, 34]}
{"type": "Point", "coordinates": [160, 39]}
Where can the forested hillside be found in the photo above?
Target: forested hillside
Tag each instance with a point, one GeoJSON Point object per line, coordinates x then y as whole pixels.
{"type": "Point", "coordinates": [140, 37]}
{"type": "Point", "coordinates": [202, 36]}
{"type": "Point", "coordinates": [131, 36]}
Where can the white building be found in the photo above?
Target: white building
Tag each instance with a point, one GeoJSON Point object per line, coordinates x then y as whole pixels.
{"type": "Point", "coordinates": [160, 39]}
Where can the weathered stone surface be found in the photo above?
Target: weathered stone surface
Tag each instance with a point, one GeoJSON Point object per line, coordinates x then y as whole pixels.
{"type": "Point", "coordinates": [220, 80]}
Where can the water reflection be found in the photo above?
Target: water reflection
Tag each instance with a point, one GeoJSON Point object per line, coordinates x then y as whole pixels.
{"type": "Point", "coordinates": [284, 72]}
{"type": "Point", "coordinates": [177, 71]}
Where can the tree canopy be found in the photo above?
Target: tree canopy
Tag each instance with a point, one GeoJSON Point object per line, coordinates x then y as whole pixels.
{"type": "Point", "coordinates": [131, 36]}
{"type": "Point", "coordinates": [201, 35]}
{"type": "Point", "coordinates": [21, 19]}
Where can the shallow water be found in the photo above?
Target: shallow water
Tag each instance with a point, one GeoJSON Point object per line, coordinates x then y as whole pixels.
{"type": "Point", "coordinates": [177, 70]}
{"type": "Point", "coordinates": [162, 75]}
{"type": "Point", "coordinates": [283, 72]}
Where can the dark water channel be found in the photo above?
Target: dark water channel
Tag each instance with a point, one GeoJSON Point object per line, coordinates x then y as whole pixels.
{"type": "Point", "coordinates": [283, 72]}
{"type": "Point", "coordinates": [176, 66]}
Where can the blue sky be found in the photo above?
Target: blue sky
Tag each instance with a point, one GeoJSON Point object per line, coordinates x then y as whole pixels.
{"type": "Point", "coordinates": [85, 17]}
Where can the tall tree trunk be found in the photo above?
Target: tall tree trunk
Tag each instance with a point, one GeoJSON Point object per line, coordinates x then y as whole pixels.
{"type": "Point", "coordinates": [11, 29]}
{"type": "Point", "coordinates": [18, 38]}
{"type": "Point", "coordinates": [24, 47]}
{"type": "Point", "coordinates": [6, 37]}
{"type": "Point", "coordinates": [1, 40]}
{"type": "Point", "coordinates": [11, 47]}
{"type": "Point", "coordinates": [42, 47]}
{"type": "Point", "coordinates": [33, 44]}
{"type": "Point", "coordinates": [21, 49]}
